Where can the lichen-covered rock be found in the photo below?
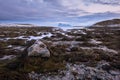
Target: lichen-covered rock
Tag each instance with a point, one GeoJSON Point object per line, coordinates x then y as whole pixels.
{"type": "Point", "coordinates": [79, 72]}
{"type": "Point", "coordinates": [38, 49]}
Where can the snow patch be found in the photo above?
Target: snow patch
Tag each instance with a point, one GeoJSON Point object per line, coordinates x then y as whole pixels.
{"type": "Point", "coordinates": [93, 41]}
{"type": "Point", "coordinates": [9, 46]}
{"type": "Point", "coordinates": [68, 28]}
{"type": "Point", "coordinates": [21, 48]}
{"type": "Point", "coordinates": [7, 57]}
{"type": "Point", "coordinates": [30, 37]}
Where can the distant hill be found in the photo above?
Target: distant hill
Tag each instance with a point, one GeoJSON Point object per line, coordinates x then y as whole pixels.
{"type": "Point", "coordinates": [64, 25]}
{"type": "Point", "coordinates": [108, 23]}
{"type": "Point", "coordinates": [16, 25]}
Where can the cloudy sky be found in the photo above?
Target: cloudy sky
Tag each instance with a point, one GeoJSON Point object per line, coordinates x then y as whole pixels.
{"type": "Point", "coordinates": [52, 12]}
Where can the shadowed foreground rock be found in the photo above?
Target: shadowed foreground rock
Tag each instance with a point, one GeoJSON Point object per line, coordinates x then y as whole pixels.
{"type": "Point", "coordinates": [38, 49]}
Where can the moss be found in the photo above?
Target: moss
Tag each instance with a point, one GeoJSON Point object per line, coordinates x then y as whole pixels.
{"type": "Point", "coordinates": [79, 39]}
{"type": "Point", "coordinates": [65, 38]}
{"type": "Point", "coordinates": [50, 65]}
{"type": "Point", "coordinates": [3, 44]}
{"type": "Point", "coordinates": [47, 38]}
{"type": "Point", "coordinates": [13, 75]}
{"type": "Point", "coordinates": [29, 43]}
{"type": "Point", "coordinates": [74, 49]}
{"type": "Point", "coordinates": [38, 64]}
{"type": "Point", "coordinates": [58, 50]}
{"type": "Point", "coordinates": [115, 64]}
{"type": "Point", "coordinates": [7, 51]}
{"type": "Point", "coordinates": [20, 42]}
{"type": "Point", "coordinates": [4, 63]}
{"type": "Point", "coordinates": [92, 63]}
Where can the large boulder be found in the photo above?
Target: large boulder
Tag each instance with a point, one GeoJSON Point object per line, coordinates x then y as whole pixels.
{"type": "Point", "coordinates": [38, 49]}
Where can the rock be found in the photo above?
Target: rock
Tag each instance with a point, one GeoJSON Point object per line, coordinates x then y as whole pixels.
{"type": "Point", "coordinates": [115, 72]}
{"type": "Point", "coordinates": [38, 49]}
{"type": "Point", "coordinates": [104, 65]}
{"type": "Point", "coordinates": [79, 72]}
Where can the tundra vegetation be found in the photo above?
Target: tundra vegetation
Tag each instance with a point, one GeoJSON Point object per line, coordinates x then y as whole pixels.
{"type": "Point", "coordinates": [88, 46]}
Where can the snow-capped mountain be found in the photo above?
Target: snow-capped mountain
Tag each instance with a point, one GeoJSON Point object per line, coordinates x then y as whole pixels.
{"type": "Point", "coordinates": [64, 25]}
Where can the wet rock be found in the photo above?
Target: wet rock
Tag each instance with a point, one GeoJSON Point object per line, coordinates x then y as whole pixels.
{"type": "Point", "coordinates": [38, 49]}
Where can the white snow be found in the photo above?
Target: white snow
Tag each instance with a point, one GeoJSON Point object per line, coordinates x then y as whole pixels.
{"type": "Point", "coordinates": [21, 48]}
{"type": "Point", "coordinates": [82, 32]}
{"type": "Point", "coordinates": [86, 47]}
{"type": "Point", "coordinates": [30, 37]}
{"type": "Point", "coordinates": [64, 34]}
{"type": "Point", "coordinates": [39, 33]}
{"type": "Point", "coordinates": [79, 32]}
{"type": "Point", "coordinates": [104, 48]}
{"type": "Point", "coordinates": [7, 57]}
{"type": "Point", "coordinates": [93, 41]}
{"type": "Point", "coordinates": [56, 29]}
{"type": "Point", "coordinates": [39, 37]}
{"type": "Point", "coordinates": [67, 28]}
{"type": "Point", "coordinates": [87, 29]}
{"type": "Point", "coordinates": [9, 46]}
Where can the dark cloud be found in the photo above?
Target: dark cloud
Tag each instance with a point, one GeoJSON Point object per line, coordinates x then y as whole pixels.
{"type": "Point", "coordinates": [105, 2]}
{"type": "Point", "coordinates": [23, 9]}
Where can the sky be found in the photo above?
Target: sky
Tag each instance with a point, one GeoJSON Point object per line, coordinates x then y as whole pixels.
{"type": "Point", "coordinates": [52, 12]}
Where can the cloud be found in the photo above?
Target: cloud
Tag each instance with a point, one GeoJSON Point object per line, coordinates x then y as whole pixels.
{"type": "Point", "coordinates": [90, 6]}
{"type": "Point", "coordinates": [105, 2]}
{"type": "Point", "coordinates": [55, 10]}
